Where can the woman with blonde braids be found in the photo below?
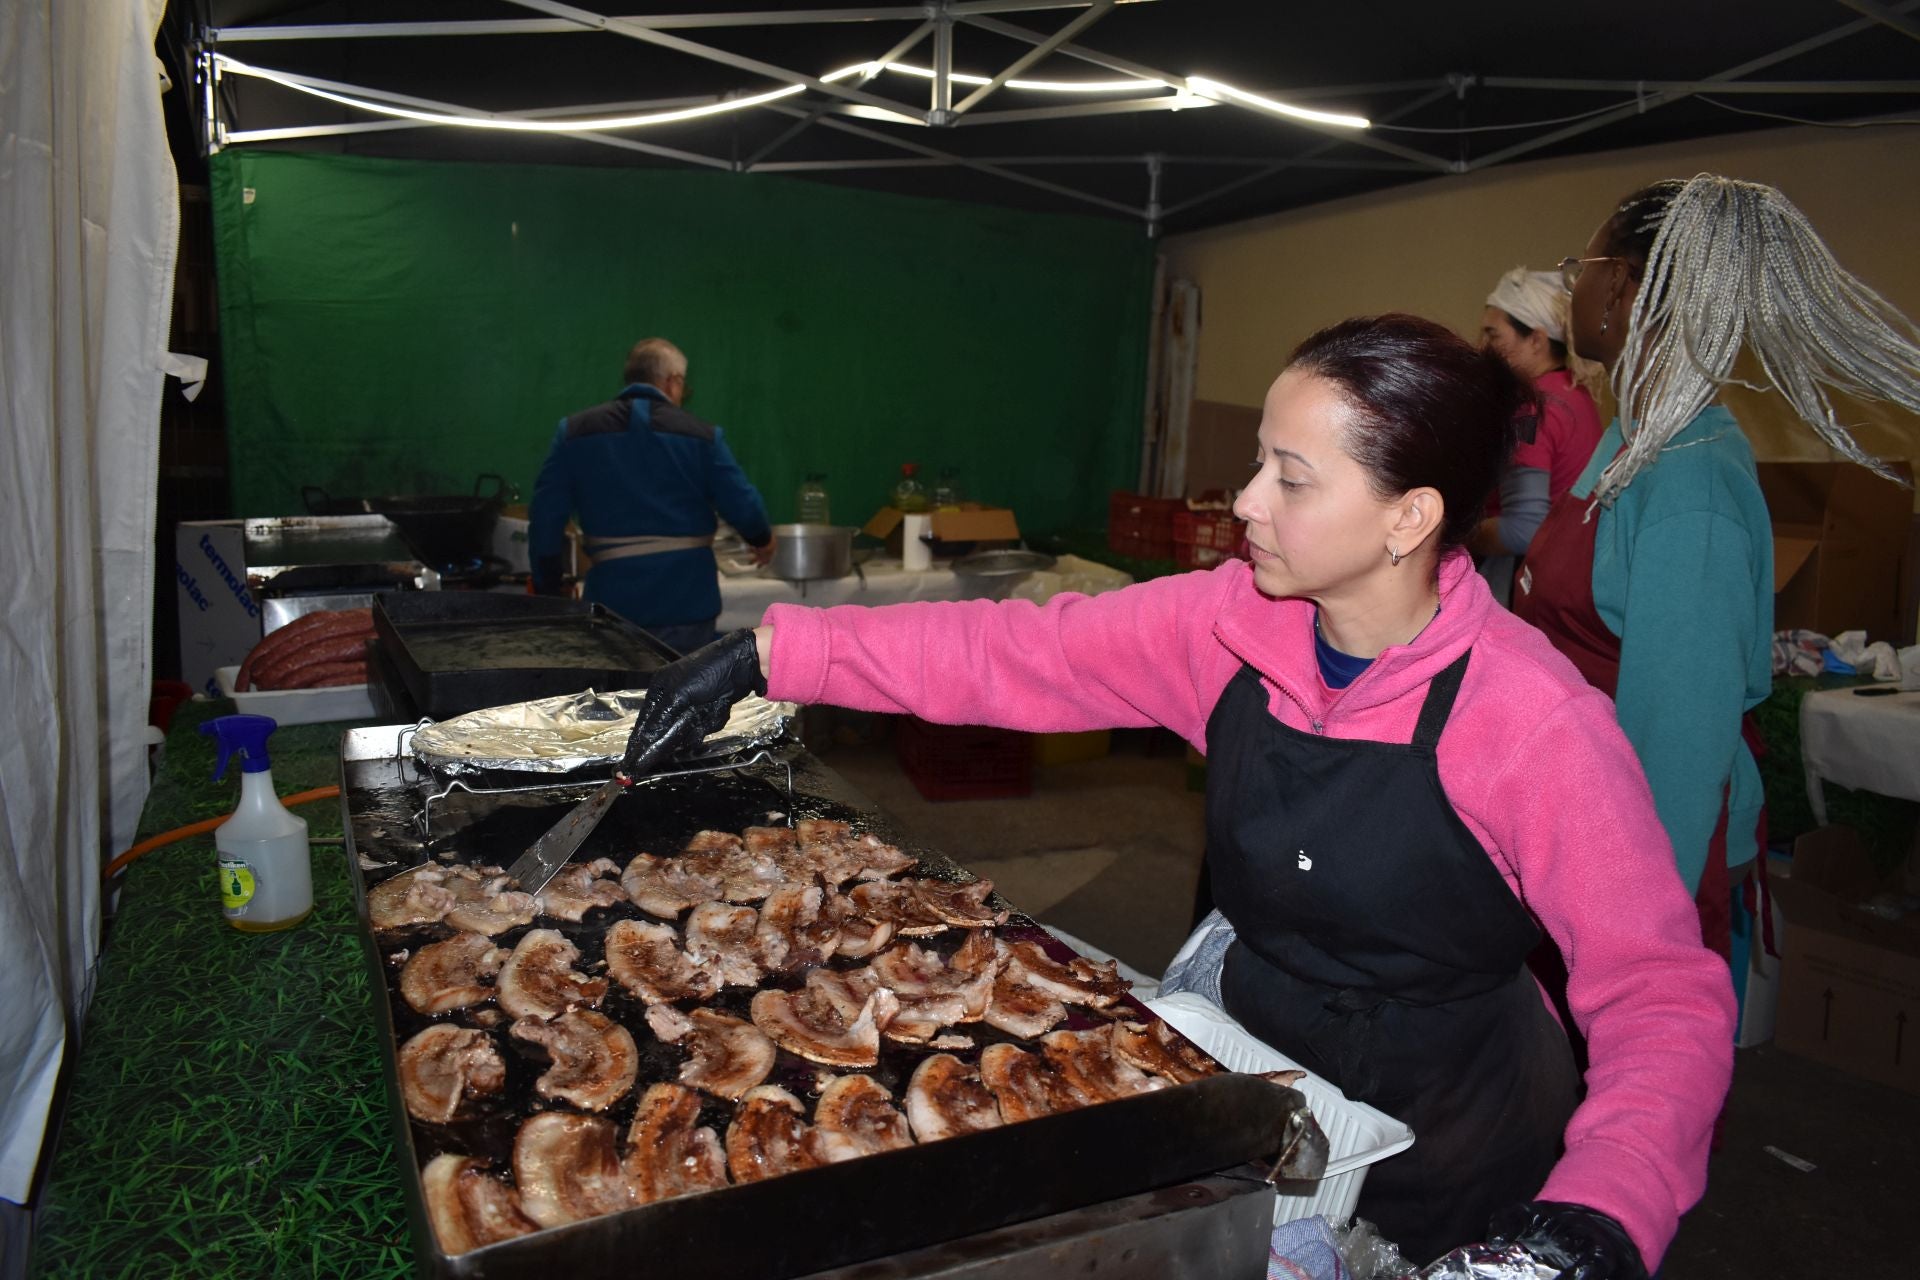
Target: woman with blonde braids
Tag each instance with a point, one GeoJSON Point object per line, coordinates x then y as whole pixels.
{"type": "Point", "coordinates": [1654, 574]}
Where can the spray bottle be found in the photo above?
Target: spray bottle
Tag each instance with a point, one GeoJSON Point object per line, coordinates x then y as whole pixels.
{"type": "Point", "coordinates": [266, 872]}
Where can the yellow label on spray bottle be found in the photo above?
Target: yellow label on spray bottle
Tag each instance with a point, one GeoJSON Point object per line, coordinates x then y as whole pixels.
{"type": "Point", "coordinates": [236, 884]}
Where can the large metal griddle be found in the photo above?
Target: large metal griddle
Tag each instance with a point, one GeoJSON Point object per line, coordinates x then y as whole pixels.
{"type": "Point", "coordinates": [804, 1222]}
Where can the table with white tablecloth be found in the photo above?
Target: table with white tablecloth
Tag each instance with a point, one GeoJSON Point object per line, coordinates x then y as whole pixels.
{"type": "Point", "coordinates": [744, 597]}
{"type": "Point", "coordinates": [1863, 739]}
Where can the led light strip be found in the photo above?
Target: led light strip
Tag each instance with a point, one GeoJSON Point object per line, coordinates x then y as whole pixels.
{"type": "Point", "coordinates": [1043, 86]}
{"type": "Point", "coordinates": [1220, 92]}
{"type": "Point", "coordinates": [1203, 87]}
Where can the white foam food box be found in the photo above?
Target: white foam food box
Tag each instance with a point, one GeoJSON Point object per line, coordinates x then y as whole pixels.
{"type": "Point", "coordinates": [1357, 1135]}
{"type": "Point", "coordinates": [299, 706]}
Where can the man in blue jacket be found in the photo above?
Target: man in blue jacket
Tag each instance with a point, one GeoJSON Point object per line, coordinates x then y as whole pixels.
{"type": "Point", "coordinates": [645, 478]}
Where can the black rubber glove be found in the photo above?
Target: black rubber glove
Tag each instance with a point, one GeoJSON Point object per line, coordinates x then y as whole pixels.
{"type": "Point", "coordinates": [1584, 1243]}
{"type": "Point", "coordinates": [690, 698]}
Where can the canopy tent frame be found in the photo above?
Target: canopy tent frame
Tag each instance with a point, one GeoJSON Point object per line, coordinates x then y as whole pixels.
{"type": "Point", "coordinates": [827, 103]}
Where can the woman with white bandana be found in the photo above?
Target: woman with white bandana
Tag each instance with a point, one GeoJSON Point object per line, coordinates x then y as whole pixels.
{"type": "Point", "coordinates": [1525, 324]}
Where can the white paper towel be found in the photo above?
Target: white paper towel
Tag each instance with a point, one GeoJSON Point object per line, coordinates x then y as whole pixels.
{"type": "Point", "coordinates": [914, 553]}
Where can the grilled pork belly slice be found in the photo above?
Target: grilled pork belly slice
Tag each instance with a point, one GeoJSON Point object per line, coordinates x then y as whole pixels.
{"type": "Point", "coordinates": [594, 1057]}
{"type": "Point", "coordinates": [1159, 1049]}
{"type": "Point", "coordinates": [483, 902]}
{"type": "Point", "coordinates": [467, 1207]}
{"type": "Point", "coordinates": [808, 1023]}
{"type": "Point", "coordinates": [1080, 981]}
{"type": "Point", "coordinates": [418, 896]}
{"type": "Point", "coordinates": [747, 871]}
{"type": "Point", "coordinates": [859, 936]}
{"type": "Point", "coordinates": [837, 854]}
{"type": "Point", "coordinates": [1019, 1008]}
{"type": "Point", "coordinates": [646, 959]}
{"type": "Point", "coordinates": [443, 1066]}
{"type": "Point", "coordinates": [946, 1097]}
{"type": "Point", "coordinates": [720, 937]}
{"type": "Point", "coordinates": [1023, 1084]}
{"type": "Point", "coordinates": [795, 929]}
{"type": "Point", "coordinates": [668, 1154]}
{"type": "Point", "coordinates": [539, 981]}
{"type": "Point", "coordinates": [914, 973]}
{"type": "Point", "coordinates": [769, 1136]}
{"type": "Point", "coordinates": [567, 1168]}
{"type": "Point", "coordinates": [579, 888]}
{"type": "Point", "coordinates": [443, 976]}
{"type": "Point", "coordinates": [914, 1020]}
{"type": "Point", "coordinates": [894, 902]}
{"type": "Point", "coordinates": [665, 887]}
{"type": "Point", "coordinates": [1086, 1063]}
{"type": "Point", "coordinates": [962, 905]}
{"type": "Point", "coordinates": [918, 907]}
{"type": "Point", "coordinates": [725, 1056]}
{"type": "Point", "coordinates": [856, 1117]}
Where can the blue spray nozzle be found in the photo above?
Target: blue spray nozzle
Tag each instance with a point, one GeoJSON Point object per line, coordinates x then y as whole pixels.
{"type": "Point", "coordinates": [245, 734]}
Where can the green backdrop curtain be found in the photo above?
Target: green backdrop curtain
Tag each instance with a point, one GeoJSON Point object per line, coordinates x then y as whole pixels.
{"type": "Point", "coordinates": [400, 327]}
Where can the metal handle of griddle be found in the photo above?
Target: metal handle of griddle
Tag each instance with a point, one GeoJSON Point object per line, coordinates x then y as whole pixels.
{"type": "Point", "coordinates": [762, 755]}
{"type": "Point", "coordinates": [1303, 1150]}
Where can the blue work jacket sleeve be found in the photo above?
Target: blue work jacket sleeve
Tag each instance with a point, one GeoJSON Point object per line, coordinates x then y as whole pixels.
{"type": "Point", "coordinates": [734, 496]}
{"type": "Point", "coordinates": [552, 504]}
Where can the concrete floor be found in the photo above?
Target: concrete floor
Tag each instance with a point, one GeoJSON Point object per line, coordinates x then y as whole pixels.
{"type": "Point", "coordinates": [1108, 850]}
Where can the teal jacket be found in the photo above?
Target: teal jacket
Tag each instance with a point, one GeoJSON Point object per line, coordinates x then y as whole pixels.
{"type": "Point", "coordinates": [1683, 574]}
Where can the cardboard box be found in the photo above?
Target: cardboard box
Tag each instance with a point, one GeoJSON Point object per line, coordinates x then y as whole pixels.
{"type": "Point", "coordinates": [1756, 972]}
{"type": "Point", "coordinates": [1850, 979]}
{"type": "Point", "coordinates": [1839, 545]}
{"type": "Point", "coordinates": [973, 523]}
{"type": "Point", "coordinates": [220, 621]}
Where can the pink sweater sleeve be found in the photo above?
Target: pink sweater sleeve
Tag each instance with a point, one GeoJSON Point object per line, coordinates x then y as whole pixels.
{"type": "Point", "coordinates": [1122, 659]}
{"type": "Point", "coordinates": [1594, 865]}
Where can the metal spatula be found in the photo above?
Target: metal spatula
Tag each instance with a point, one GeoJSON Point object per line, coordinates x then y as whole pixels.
{"type": "Point", "coordinates": [539, 864]}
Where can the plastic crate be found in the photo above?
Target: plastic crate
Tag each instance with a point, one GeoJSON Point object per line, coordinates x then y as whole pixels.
{"type": "Point", "coordinates": [1142, 526]}
{"type": "Point", "coordinates": [1071, 748]}
{"type": "Point", "coordinates": [1202, 539]}
{"type": "Point", "coordinates": [964, 762]}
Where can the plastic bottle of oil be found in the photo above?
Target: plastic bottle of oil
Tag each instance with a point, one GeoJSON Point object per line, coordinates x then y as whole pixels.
{"type": "Point", "coordinates": [266, 868]}
{"type": "Point", "coordinates": [946, 494]}
{"type": "Point", "coordinates": [909, 495]}
{"type": "Point", "coordinates": [813, 504]}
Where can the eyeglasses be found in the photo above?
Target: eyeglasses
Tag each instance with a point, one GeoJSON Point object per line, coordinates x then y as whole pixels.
{"type": "Point", "coordinates": [1570, 268]}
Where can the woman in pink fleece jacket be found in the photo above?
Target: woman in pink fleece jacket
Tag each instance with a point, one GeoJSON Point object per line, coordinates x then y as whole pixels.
{"type": "Point", "coordinates": [1405, 785]}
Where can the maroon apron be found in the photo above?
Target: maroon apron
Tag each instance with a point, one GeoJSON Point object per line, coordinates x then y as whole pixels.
{"type": "Point", "coordinates": [1555, 593]}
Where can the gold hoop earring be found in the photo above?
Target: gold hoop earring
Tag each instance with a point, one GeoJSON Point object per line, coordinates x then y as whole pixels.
{"type": "Point", "coordinates": [1394, 557]}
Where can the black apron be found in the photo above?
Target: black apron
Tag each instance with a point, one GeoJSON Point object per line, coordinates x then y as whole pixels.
{"type": "Point", "coordinates": [1380, 948]}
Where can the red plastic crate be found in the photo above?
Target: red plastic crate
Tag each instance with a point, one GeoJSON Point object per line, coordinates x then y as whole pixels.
{"type": "Point", "coordinates": [1202, 539]}
{"type": "Point", "coordinates": [1139, 525]}
{"type": "Point", "coordinates": [964, 762]}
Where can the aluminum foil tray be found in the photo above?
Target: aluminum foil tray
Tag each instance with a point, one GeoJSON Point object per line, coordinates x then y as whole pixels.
{"type": "Point", "coordinates": [576, 732]}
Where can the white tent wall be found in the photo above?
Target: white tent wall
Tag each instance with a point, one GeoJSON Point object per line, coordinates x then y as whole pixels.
{"type": "Point", "coordinates": [88, 217]}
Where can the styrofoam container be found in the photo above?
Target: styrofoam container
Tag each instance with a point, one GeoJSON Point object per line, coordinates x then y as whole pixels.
{"type": "Point", "coordinates": [1357, 1135]}
{"type": "Point", "coordinates": [299, 706]}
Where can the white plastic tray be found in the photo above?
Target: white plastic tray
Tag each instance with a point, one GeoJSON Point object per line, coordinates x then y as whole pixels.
{"type": "Point", "coordinates": [299, 706]}
{"type": "Point", "coordinates": [1357, 1135]}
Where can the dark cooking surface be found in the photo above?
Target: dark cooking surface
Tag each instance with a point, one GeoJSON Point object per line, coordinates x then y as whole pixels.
{"type": "Point", "coordinates": [459, 651]}
{"type": "Point", "coordinates": [814, 1219]}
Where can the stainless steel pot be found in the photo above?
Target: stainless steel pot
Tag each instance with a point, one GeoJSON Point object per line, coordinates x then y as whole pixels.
{"type": "Point", "coordinates": [809, 552]}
